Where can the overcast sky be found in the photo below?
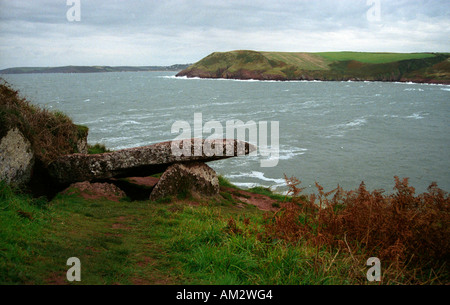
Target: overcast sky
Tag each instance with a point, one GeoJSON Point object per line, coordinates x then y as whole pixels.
{"type": "Point", "coordinates": [165, 32]}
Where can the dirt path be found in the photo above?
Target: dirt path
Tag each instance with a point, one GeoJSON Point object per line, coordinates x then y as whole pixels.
{"type": "Point", "coordinates": [262, 202]}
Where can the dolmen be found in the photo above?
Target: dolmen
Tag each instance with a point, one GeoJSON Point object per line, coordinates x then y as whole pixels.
{"type": "Point", "coordinates": [181, 162]}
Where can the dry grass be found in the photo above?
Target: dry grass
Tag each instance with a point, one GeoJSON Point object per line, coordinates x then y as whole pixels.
{"type": "Point", "coordinates": [409, 234]}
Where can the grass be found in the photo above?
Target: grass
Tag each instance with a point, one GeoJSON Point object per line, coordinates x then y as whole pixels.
{"type": "Point", "coordinates": [269, 193]}
{"type": "Point", "coordinates": [21, 221]}
{"type": "Point", "coordinates": [372, 58]}
{"type": "Point", "coordinates": [143, 243]}
{"type": "Point", "coordinates": [97, 149]}
{"type": "Point", "coordinates": [172, 241]}
{"type": "Point", "coordinates": [304, 61]}
{"type": "Point", "coordinates": [225, 182]}
{"type": "Point", "coordinates": [111, 240]}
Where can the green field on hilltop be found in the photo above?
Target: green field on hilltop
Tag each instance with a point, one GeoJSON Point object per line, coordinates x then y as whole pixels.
{"type": "Point", "coordinates": [372, 58]}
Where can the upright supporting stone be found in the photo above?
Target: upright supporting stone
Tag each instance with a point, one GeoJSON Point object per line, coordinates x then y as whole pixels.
{"type": "Point", "coordinates": [196, 178]}
{"type": "Point", "coordinates": [16, 158]}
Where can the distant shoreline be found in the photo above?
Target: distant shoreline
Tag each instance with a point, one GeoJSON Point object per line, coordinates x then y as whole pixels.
{"type": "Point", "coordinates": [93, 69]}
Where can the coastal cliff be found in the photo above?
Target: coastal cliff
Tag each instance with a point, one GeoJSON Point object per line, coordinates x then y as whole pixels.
{"type": "Point", "coordinates": [325, 66]}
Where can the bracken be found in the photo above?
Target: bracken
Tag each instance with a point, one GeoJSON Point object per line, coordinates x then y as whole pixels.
{"type": "Point", "coordinates": [404, 230]}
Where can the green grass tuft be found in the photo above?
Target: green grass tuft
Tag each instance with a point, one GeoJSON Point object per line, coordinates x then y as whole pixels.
{"type": "Point", "coordinates": [225, 182]}
{"type": "Point", "coordinates": [268, 192]}
{"type": "Point", "coordinates": [97, 149]}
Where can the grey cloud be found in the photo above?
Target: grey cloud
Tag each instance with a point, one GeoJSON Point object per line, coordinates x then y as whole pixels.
{"type": "Point", "coordinates": [175, 31]}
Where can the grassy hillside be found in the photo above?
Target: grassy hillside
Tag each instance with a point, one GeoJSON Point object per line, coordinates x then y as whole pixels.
{"type": "Point", "coordinates": [332, 66]}
{"type": "Point", "coordinates": [224, 240]}
{"type": "Point", "coordinates": [51, 133]}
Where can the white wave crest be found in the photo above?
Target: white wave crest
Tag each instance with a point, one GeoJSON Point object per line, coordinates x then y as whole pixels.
{"type": "Point", "coordinates": [415, 116]}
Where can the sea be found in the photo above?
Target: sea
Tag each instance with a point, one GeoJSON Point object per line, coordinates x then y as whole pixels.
{"type": "Point", "coordinates": [332, 133]}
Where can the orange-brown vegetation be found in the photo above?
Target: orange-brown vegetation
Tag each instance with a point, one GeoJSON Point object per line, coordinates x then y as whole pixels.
{"type": "Point", "coordinates": [409, 233]}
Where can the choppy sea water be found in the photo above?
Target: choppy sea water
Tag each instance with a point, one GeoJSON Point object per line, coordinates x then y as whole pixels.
{"type": "Point", "coordinates": [330, 132]}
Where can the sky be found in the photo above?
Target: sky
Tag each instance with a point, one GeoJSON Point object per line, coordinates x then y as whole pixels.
{"type": "Point", "coordinates": [42, 33]}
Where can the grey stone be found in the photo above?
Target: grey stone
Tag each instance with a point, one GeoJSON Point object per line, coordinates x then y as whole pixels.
{"type": "Point", "coordinates": [196, 178]}
{"type": "Point", "coordinates": [82, 146]}
{"type": "Point", "coordinates": [90, 190]}
{"type": "Point", "coordinates": [16, 158]}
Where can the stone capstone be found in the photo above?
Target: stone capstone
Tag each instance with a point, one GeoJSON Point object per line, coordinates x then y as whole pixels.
{"type": "Point", "coordinates": [195, 178]}
{"type": "Point", "coordinates": [16, 158]}
{"type": "Point", "coordinates": [143, 161]}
